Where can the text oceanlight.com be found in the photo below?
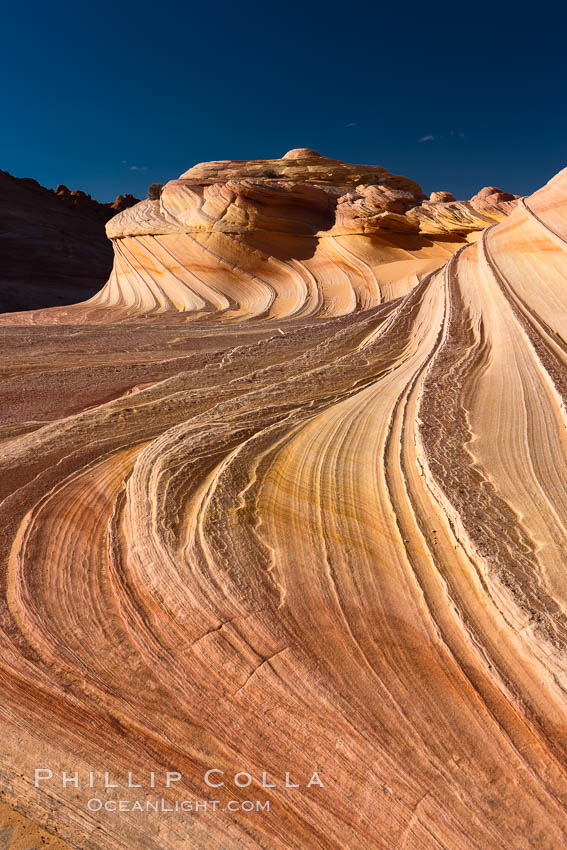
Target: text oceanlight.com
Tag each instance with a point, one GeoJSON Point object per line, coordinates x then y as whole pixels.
{"type": "Point", "coordinates": [95, 804]}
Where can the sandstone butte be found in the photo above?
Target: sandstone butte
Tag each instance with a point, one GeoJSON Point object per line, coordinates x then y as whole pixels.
{"type": "Point", "coordinates": [289, 495]}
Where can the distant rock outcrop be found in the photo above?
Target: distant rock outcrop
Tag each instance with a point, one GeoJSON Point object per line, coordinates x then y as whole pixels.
{"type": "Point", "coordinates": [122, 202]}
{"type": "Point", "coordinates": [53, 248]}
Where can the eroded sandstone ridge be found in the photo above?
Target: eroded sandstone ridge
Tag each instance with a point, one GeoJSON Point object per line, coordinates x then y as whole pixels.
{"type": "Point", "coordinates": [316, 537]}
{"type": "Point", "coordinates": [296, 237]}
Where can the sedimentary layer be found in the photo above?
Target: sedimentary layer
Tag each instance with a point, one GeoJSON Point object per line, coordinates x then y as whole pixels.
{"type": "Point", "coordinates": [325, 538]}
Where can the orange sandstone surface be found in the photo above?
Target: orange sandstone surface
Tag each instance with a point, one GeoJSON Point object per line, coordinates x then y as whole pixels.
{"type": "Point", "coordinates": [286, 501]}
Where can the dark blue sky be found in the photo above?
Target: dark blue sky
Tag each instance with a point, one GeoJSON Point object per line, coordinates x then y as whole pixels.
{"type": "Point", "coordinates": [93, 91]}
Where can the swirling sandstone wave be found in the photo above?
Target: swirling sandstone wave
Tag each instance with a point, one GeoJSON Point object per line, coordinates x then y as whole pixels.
{"type": "Point", "coordinates": [299, 237]}
{"type": "Point", "coordinates": [325, 538]}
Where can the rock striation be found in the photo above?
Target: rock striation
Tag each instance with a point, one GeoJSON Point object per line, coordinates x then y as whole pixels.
{"type": "Point", "coordinates": [309, 539]}
{"type": "Point", "coordinates": [53, 248]}
{"type": "Point", "coordinates": [301, 236]}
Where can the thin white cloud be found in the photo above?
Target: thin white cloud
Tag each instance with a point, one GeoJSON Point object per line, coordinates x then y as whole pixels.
{"type": "Point", "coordinates": [352, 124]}
{"type": "Point", "coordinates": [138, 168]}
{"type": "Point", "coordinates": [431, 138]}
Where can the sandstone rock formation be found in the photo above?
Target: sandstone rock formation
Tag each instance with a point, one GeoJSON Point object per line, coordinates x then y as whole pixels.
{"type": "Point", "coordinates": [441, 197]}
{"type": "Point", "coordinates": [287, 234]}
{"type": "Point", "coordinates": [315, 537]}
{"type": "Point", "coordinates": [53, 248]}
{"type": "Point", "coordinates": [122, 202]}
{"type": "Point", "coordinates": [301, 236]}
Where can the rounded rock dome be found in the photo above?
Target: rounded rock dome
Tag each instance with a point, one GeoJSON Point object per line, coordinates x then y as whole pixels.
{"type": "Point", "coordinates": [303, 153]}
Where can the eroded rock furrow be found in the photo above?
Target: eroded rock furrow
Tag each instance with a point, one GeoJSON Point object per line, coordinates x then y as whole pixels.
{"type": "Point", "coordinates": [288, 498]}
